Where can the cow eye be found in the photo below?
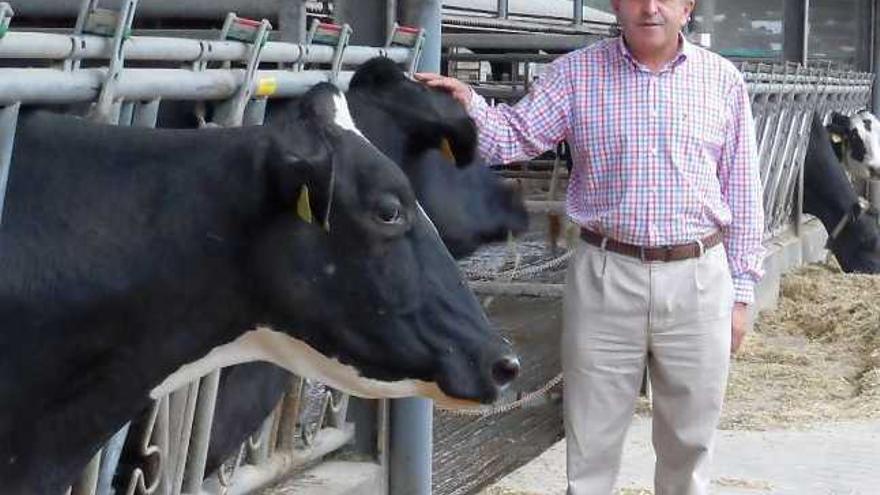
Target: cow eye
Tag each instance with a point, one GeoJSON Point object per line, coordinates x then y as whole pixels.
{"type": "Point", "coordinates": [388, 210]}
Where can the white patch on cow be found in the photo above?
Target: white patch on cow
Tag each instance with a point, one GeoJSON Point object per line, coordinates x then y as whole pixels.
{"type": "Point", "coordinates": [296, 356]}
{"type": "Point", "coordinates": [870, 166]}
{"type": "Point", "coordinates": [342, 116]}
{"type": "Point", "coordinates": [430, 222]}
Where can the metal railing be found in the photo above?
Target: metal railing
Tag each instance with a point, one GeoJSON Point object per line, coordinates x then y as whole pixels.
{"type": "Point", "coordinates": [784, 98]}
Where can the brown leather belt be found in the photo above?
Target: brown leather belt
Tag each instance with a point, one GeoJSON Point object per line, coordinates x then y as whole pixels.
{"type": "Point", "coordinates": [659, 253]}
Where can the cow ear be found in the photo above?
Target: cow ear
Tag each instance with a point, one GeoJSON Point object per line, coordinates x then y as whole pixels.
{"type": "Point", "coordinates": [318, 105]}
{"type": "Point", "coordinates": [430, 118]}
{"type": "Point", "coordinates": [301, 171]}
{"type": "Point", "coordinates": [378, 72]}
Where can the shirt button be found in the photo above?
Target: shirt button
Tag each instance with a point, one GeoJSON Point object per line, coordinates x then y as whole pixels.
{"type": "Point", "coordinates": [653, 151]}
{"type": "Point", "coordinates": [653, 113]}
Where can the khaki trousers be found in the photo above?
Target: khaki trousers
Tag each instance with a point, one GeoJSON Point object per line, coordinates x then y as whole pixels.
{"type": "Point", "coordinates": [619, 315]}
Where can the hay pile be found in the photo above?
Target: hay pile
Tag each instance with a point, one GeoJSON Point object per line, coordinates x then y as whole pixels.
{"type": "Point", "coordinates": [816, 357]}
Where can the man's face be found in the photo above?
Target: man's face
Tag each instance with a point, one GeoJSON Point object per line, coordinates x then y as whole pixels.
{"type": "Point", "coordinates": [652, 25]}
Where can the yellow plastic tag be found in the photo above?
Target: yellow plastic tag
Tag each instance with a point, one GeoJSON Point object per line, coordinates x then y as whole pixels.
{"type": "Point", "coordinates": [303, 207]}
{"type": "Point", "coordinates": [267, 86]}
{"type": "Point", "coordinates": [446, 149]}
{"type": "Point", "coordinates": [836, 138]}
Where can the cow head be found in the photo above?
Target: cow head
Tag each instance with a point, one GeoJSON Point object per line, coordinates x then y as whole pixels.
{"type": "Point", "coordinates": [856, 142]}
{"type": "Point", "coordinates": [410, 123]}
{"type": "Point", "coordinates": [367, 284]}
{"type": "Point", "coordinates": [856, 242]}
{"type": "Point", "coordinates": [427, 118]}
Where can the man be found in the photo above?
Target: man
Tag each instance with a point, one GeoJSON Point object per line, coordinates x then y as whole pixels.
{"type": "Point", "coordinates": [666, 189]}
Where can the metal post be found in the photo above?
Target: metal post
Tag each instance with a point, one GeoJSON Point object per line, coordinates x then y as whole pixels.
{"type": "Point", "coordinates": [875, 57]}
{"type": "Point", "coordinates": [874, 192]}
{"type": "Point", "coordinates": [502, 9]}
{"type": "Point", "coordinates": [110, 460]}
{"type": "Point", "coordinates": [578, 16]}
{"type": "Point", "coordinates": [89, 480]}
{"type": "Point", "coordinates": [425, 14]}
{"type": "Point", "coordinates": [8, 122]}
{"type": "Point", "coordinates": [292, 21]}
{"type": "Point", "coordinates": [795, 29]}
{"type": "Point", "coordinates": [201, 433]}
{"type": "Point", "coordinates": [367, 18]}
{"type": "Point", "coordinates": [412, 420]}
{"type": "Point", "coordinates": [705, 29]}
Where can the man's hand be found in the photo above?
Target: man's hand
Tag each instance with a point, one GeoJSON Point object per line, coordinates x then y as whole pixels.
{"type": "Point", "coordinates": [457, 89]}
{"type": "Point", "coordinates": [739, 325]}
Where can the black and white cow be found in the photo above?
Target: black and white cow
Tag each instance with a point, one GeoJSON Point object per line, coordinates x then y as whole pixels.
{"type": "Point", "coordinates": [135, 260]}
{"type": "Point", "coordinates": [854, 236]}
{"type": "Point", "coordinates": [856, 142]}
{"type": "Point", "coordinates": [418, 128]}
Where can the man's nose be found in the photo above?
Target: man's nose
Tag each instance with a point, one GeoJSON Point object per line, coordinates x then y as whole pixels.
{"type": "Point", "coordinates": [651, 7]}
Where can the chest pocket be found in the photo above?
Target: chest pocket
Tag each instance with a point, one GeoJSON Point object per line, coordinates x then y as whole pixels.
{"type": "Point", "coordinates": [703, 127]}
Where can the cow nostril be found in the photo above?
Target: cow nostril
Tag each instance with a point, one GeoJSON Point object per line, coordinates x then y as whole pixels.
{"type": "Point", "coordinates": [505, 370]}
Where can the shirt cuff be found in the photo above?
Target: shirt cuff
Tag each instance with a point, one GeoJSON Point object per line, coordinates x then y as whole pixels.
{"type": "Point", "coordinates": [743, 290]}
{"type": "Point", "coordinates": [477, 103]}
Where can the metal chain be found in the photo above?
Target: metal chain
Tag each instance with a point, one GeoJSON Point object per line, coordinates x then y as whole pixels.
{"type": "Point", "coordinates": [494, 410]}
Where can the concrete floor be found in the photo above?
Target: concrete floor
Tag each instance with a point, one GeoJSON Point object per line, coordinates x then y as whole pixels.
{"type": "Point", "coordinates": [830, 459]}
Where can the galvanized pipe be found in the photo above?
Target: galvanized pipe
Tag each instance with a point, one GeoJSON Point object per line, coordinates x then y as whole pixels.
{"type": "Point", "coordinates": [578, 14]}
{"type": "Point", "coordinates": [502, 9]}
{"type": "Point", "coordinates": [874, 192]}
{"type": "Point", "coordinates": [164, 9]}
{"type": "Point", "coordinates": [88, 481]}
{"type": "Point", "coordinates": [249, 479]}
{"type": "Point", "coordinates": [201, 433]}
{"type": "Point", "coordinates": [110, 460]}
{"type": "Point", "coordinates": [53, 86]}
{"type": "Point", "coordinates": [412, 419]}
{"type": "Point", "coordinates": [875, 57]}
{"type": "Point", "coordinates": [8, 122]}
{"type": "Point", "coordinates": [795, 30]}
{"type": "Point", "coordinates": [52, 46]}
{"type": "Point", "coordinates": [292, 21]}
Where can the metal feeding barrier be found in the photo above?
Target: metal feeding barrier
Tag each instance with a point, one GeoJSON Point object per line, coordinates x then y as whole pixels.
{"type": "Point", "coordinates": [784, 98]}
{"type": "Point", "coordinates": [173, 439]}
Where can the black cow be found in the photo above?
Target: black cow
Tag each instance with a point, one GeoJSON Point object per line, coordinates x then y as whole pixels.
{"type": "Point", "coordinates": [470, 206]}
{"type": "Point", "coordinates": [854, 237]}
{"type": "Point", "coordinates": [133, 260]}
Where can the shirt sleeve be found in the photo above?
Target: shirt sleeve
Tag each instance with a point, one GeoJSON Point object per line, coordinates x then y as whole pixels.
{"type": "Point", "coordinates": [740, 180]}
{"type": "Point", "coordinates": [532, 126]}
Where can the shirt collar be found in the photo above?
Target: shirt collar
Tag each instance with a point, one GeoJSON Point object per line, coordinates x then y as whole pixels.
{"type": "Point", "coordinates": [685, 50]}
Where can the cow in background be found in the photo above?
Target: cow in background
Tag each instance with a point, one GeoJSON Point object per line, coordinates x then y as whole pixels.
{"type": "Point", "coordinates": [854, 235]}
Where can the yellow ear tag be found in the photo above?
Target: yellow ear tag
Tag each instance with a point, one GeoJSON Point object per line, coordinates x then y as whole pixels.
{"type": "Point", "coordinates": [836, 138]}
{"type": "Point", "coordinates": [303, 207]}
{"type": "Point", "coordinates": [446, 149]}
